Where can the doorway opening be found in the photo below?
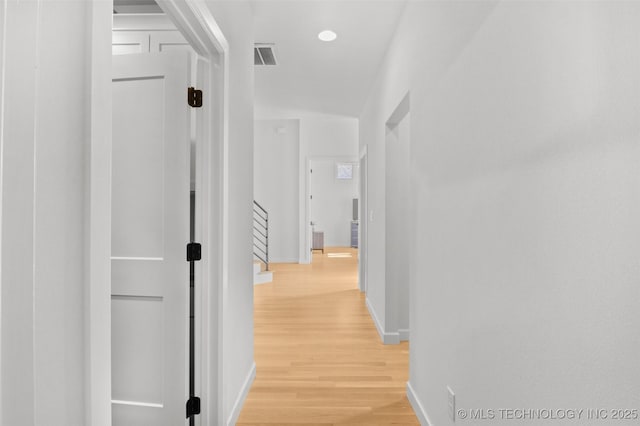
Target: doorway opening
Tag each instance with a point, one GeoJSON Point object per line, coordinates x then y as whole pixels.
{"type": "Point", "coordinates": [333, 187]}
{"type": "Point", "coordinates": [397, 232]}
{"type": "Point", "coordinates": [194, 24]}
{"type": "Point", "coordinates": [154, 195]}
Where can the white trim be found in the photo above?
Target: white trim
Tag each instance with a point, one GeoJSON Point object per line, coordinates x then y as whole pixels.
{"type": "Point", "coordinates": [387, 338]}
{"type": "Point", "coordinates": [401, 111]}
{"type": "Point", "coordinates": [142, 22]}
{"type": "Point", "coordinates": [417, 406]}
{"type": "Point", "coordinates": [202, 309]}
{"type": "Point", "coordinates": [363, 219]}
{"type": "Point", "coordinates": [242, 396]}
{"type": "Point", "coordinates": [304, 253]}
{"type": "Point", "coordinates": [363, 152]}
{"type": "Point", "coordinates": [151, 259]}
{"type": "Point", "coordinates": [137, 404]}
{"type": "Point", "coordinates": [3, 38]}
{"type": "Point", "coordinates": [196, 23]}
{"type": "Point", "coordinates": [264, 277]}
{"type": "Point", "coordinates": [198, 26]}
{"type": "Point", "coordinates": [404, 334]}
{"type": "Point", "coordinates": [98, 219]}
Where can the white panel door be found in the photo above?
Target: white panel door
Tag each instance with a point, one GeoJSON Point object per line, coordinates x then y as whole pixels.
{"type": "Point", "coordinates": [165, 41]}
{"type": "Point", "coordinates": [150, 230]}
{"type": "Point", "coordinates": [126, 42]}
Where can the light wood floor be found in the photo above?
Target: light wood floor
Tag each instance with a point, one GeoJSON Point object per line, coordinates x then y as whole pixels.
{"type": "Point", "coordinates": [319, 358]}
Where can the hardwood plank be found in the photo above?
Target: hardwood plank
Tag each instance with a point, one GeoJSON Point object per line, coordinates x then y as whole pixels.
{"type": "Point", "coordinates": [319, 357]}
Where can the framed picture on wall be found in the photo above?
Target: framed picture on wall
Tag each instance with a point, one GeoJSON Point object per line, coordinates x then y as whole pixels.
{"type": "Point", "coordinates": [344, 171]}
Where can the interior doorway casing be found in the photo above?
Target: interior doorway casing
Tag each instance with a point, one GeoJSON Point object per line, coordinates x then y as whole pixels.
{"type": "Point", "coordinates": [307, 203]}
{"type": "Point", "coordinates": [363, 216]}
{"type": "Point", "coordinates": [197, 25]}
{"type": "Point", "coordinates": [397, 215]}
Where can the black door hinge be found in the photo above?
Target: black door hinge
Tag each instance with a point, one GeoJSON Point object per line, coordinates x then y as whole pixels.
{"type": "Point", "coordinates": [194, 252]}
{"type": "Point", "coordinates": [194, 97]}
{"type": "Point", "coordinates": [193, 406]}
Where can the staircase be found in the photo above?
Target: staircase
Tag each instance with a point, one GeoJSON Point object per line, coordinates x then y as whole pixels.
{"type": "Point", "coordinates": [260, 276]}
{"type": "Point", "coordinates": [261, 245]}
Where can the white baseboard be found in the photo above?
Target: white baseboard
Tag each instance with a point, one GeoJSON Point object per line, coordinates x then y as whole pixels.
{"type": "Point", "coordinates": [417, 406]}
{"type": "Point", "coordinates": [244, 391]}
{"type": "Point", "coordinates": [387, 338]}
{"type": "Point", "coordinates": [404, 334]}
{"type": "Point", "coordinates": [263, 277]}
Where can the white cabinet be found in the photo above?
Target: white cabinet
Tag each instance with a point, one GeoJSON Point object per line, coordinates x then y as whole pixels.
{"type": "Point", "coordinates": [149, 33]}
{"type": "Point", "coordinates": [146, 34]}
{"type": "Point", "coordinates": [354, 233]}
{"type": "Point", "coordinates": [124, 42]}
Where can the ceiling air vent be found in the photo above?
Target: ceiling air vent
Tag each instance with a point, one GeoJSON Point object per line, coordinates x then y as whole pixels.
{"type": "Point", "coordinates": [263, 55]}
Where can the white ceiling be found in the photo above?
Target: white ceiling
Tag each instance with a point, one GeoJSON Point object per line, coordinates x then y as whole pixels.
{"type": "Point", "coordinates": [315, 76]}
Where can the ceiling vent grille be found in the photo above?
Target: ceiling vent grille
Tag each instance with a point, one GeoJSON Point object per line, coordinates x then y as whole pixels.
{"type": "Point", "coordinates": [263, 55]}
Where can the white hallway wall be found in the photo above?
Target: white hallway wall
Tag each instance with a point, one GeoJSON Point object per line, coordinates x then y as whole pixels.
{"type": "Point", "coordinates": [43, 136]}
{"type": "Point", "coordinates": [237, 333]}
{"type": "Point", "coordinates": [524, 154]}
{"type": "Point", "coordinates": [275, 183]}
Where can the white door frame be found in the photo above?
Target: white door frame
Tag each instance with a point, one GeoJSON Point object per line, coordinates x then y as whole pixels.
{"type": "Point", "coordinates": [363, 228]}
{"type": "Point", "coordinates": [196, 23]}
{"type": "Point", "coordinates": [307, 197]}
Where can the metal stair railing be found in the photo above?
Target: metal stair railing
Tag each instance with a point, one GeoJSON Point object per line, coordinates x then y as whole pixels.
{"type": "Point", "coordinates": [261, 233]}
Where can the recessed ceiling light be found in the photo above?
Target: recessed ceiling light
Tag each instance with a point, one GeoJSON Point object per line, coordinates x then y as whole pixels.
{"type": "Point", "coordinates": [327, 35]}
